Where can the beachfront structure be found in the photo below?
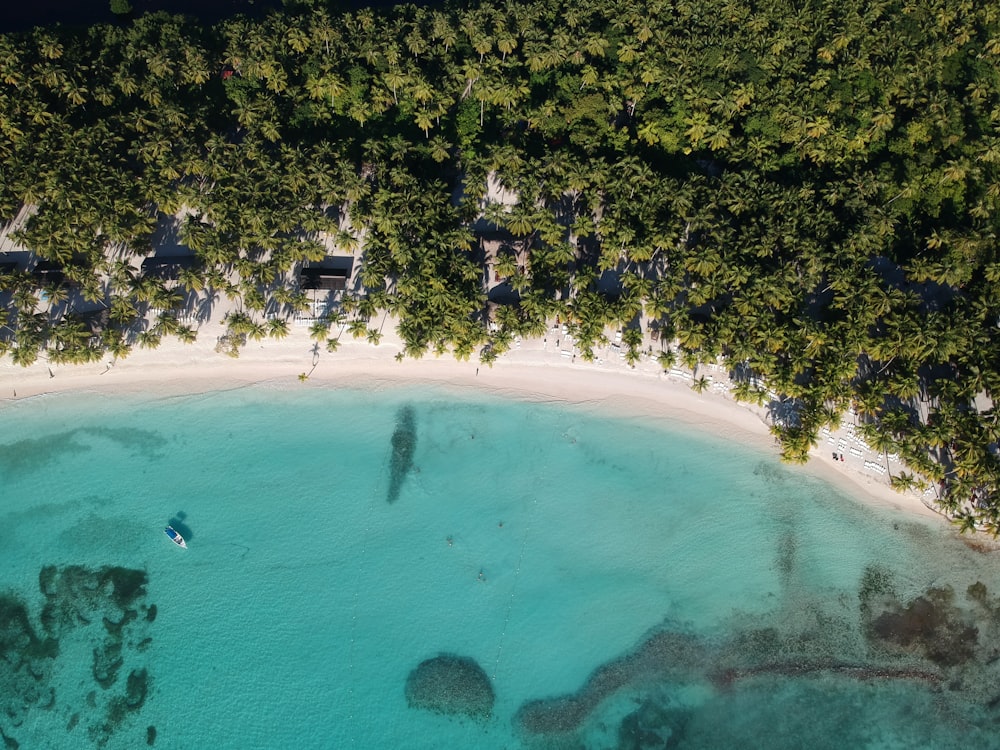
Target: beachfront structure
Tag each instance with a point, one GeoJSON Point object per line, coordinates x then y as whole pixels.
{"type": "Point", "coordinates": [48, 273]}
{"type": "Point", "coordinates": [816, 205]}
{"type": "Point", "coordinates": [333, 273]}
{"type": "Point", "coordinates": [168, 267]}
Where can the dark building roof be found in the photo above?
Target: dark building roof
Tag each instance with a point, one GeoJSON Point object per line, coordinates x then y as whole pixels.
{"type": "Point", "coordinates": [96, 320]}
{"type": "Point", "coordinates": [168, 267]}
{"type": "Point", "coordinates": [324, 278]}
{"type": "Point", "coordinates": [331, 273]}
{"type": "Point", "coordinates": [47, 272]}
{"type": "Point", "coordinates": [8, 266]}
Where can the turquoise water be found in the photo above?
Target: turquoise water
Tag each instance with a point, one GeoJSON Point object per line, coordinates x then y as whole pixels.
{"type": "Point", "coordinates": [619, 584]}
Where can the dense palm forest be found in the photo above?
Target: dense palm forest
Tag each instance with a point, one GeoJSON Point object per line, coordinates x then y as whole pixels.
{"type": "Point", "coordinates": [806, 191]}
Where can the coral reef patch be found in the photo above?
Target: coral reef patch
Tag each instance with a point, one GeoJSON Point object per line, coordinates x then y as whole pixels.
{"type": "Point", "coordinates": [453, 685]}
{"type": "Point", "coordinates": [9, 742]}
{"type": "Point", "coordinates": [75, 595]}
{"type": "Point", "coordinates": [930, 625]}
{"type": "Point", "coordinates": [26, 662]}
{"type": "Point", "coordinates": [101, 611]}
{"type": "Point", "coordinates": [933, 646]}
{"type": "Point", "coordinates": [665, 655]}
{"type": "Point", "coordinates": [652, 726]}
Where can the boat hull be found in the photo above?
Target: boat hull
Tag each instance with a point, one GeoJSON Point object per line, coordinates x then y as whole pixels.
{"type": "Point", "coordinates": [175, 537]}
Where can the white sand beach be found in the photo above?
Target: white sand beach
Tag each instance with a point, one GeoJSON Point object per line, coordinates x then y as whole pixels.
{"type": "Point", "coordinates": [537, 370]}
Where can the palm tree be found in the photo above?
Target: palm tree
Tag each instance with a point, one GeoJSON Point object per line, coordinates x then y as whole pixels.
{"type": "Point", "coordinates": [904, 482]}
{"type": "Point", "coordinates": [149, 339]}
{"type": "Point", "coordinates": [319, 330]}
{"type": "Point", "coordinates": [277, 328]}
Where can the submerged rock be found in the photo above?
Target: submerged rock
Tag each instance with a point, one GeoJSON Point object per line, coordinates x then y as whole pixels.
{"type": "Point", "coordinates": [9, 742]}
{"type": "Point", "coordinates": [104, 608]}
{"type": "Point", "coordinates": [119, 707]}
{"type": "Point", "coordinates": [136, 688]}
{"type": "Point", "coordinates": [450, 684]}
{"type": "Point", "coordinates": [25, 664]}
{"type": "Point", "coordinates": [18, 639]}
{"type": "Point", "coordinates": [115, 628]}
{"type": "Point", "coordinates": [977, 592]}
{"type": "Point", "coordinates": [76, 595]}
{"type": "Point", "coordinates": [107, 660]}
{"type": "Point", "coordinates": [128, 585]}
{"type": "Point", "coordinates": [651, 727]}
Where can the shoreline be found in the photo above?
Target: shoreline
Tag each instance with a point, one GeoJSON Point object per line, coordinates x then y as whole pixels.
{"type": "Point", "coordinates": [531, 371]}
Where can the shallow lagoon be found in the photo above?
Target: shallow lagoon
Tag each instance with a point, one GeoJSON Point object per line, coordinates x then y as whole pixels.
{"type": "Point", "coordinates": [617, 583]}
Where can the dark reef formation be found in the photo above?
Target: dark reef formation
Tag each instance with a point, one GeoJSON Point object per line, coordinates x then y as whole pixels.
{"type": "Point", "coordinates": [651, 727]}
{"type": "Point", "coordinates": [726, 678]}
{"type": "Point", "coordinates": [26, 660]}
{"type": "Point", "coordinates": [934, 642]}
{"type": "Point", "coordinates": [453, 685]}
{"type": "Point", "coordinates": [75, 595]}
{"type": "Point", "coordinates": [665, 655]}
{"type": "Point", "coordinates": [104, 608]}
{"type": "Point", "coordinates": [404, 444]}
{"type": "Point", "coordinates": [107, 661]}
{"type": "Point", "coordinates": [930, 625]}
{"type": "Point", "coordinates": [933, 625]}
{"type": "Point", "coordinates": [9, 742]}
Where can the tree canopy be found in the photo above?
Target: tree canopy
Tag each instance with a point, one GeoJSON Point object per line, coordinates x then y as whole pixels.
{"type": "Point", "coordinates": [806, 191]}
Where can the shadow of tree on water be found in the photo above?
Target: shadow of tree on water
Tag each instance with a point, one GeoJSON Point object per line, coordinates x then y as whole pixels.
{"type": "Point", "coordinates": [404, 444]}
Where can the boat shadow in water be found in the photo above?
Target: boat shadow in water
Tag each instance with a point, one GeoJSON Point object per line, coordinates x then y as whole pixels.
{"type": "Point", "coordinates": [177, 522]}
{"type": "Point", "coordinates": [404, 443]}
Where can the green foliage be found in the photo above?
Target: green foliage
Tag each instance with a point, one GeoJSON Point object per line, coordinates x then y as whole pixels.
{"type": "Point", "coordinates": [816, 204]}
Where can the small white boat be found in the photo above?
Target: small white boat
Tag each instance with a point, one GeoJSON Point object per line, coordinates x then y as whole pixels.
{"type": "Point", "coordinates": [175, 537]}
